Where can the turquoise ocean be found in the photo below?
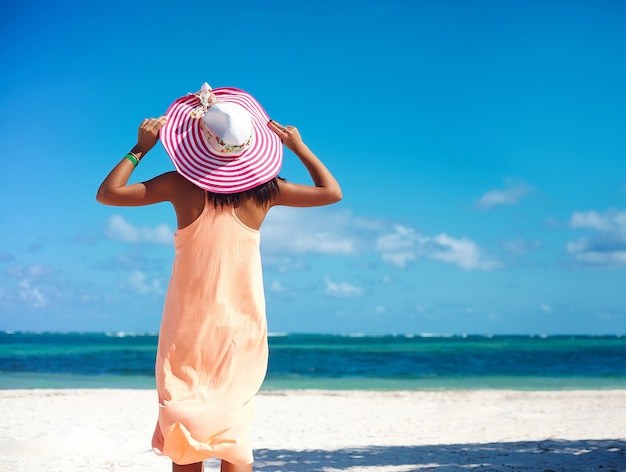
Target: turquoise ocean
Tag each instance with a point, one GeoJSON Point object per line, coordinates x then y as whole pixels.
{"type": "Point", "coordinates": [305, 361]}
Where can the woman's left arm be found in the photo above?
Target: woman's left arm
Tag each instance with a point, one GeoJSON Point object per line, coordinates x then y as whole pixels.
{"type": "Point", "coordinates": [115, 190]}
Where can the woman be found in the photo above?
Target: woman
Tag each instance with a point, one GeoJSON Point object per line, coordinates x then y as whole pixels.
{"type": "Point", "coordinates": [212, 351]}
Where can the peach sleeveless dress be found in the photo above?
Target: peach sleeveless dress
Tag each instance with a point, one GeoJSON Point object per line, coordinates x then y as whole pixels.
{"type": "Point", "coordinates": [212, 351]}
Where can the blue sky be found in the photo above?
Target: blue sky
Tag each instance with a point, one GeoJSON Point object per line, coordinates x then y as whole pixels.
{"type": "Point", "coordinates": [481, 148]}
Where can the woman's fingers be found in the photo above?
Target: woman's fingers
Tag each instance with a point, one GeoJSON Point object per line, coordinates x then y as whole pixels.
{"type": "Point", "coordinates": [154, 123]}
{"type": "Point", "coordinates": [149, 132]}
{"type": "Point", "coordinates": [278, 128]}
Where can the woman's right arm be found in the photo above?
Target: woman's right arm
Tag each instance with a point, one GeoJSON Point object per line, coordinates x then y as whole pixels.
{"type": "Point", "coordinates": [326, 189]}
{"type": "Point", "coordinates": [115, 189]}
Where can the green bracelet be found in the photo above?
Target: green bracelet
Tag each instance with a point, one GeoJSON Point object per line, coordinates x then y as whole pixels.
{"type": "Point", "coordinates": [132, 158]}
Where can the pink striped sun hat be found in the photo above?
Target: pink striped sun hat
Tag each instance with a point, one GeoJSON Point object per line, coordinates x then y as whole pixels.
{"type": "Point", "coordinates": [219, 140]}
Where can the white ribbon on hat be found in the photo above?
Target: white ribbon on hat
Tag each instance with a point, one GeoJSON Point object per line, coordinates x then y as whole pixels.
{"type": "Point", "coordinates": [227, 127]}
{"type": "Point", "coordinates": [207, 98]}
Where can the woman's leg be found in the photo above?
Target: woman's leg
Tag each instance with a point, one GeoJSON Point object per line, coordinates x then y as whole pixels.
{"type": "Point", "coordinates": [195, 467]}
{"type": "Point", "coordinates": [228, 467]}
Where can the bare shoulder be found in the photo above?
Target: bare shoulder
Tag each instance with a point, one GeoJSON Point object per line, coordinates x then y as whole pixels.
{"type": "Point", "coordinates": [171, 179]}
{"type": "Point", "coordinates": [173, 185]}
{"type": "Point", "coordinates": [187, 198]}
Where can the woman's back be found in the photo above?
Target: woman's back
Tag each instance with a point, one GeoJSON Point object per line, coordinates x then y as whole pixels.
{"type": "Point", "coordinates": [212, 354]}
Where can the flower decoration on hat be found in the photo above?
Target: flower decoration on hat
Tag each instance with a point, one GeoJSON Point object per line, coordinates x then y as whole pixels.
{"type": "Point", "coordinates": [207, 98]}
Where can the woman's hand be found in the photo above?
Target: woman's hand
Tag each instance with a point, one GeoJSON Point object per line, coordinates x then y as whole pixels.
{"type": "Point", "coordinates": [289, 135]}
{"type": "Point", "coordinates": [115, 190]}
{"type": "Point", "coordinates": [148, 135]}
{"type": "Point", "coordinates": [326, 189]}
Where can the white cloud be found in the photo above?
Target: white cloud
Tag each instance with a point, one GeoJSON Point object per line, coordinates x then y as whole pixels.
{"type": "Point", "coordinates": [119, 229]}
{"type": "Point", "coordinates": [34, 287]}
{"type": "Point", "coordinates": [400, 240]}
{"type": "Point", "coordinates": [308, 231]}
{"type": "Point", "coordinates": [138, 282]}
{"type": "Point", "coordinates": [406, 244]}
{"type": "Point", "coordinates": [276, 286]}
{"type": "Point", "coordinates": [462, 252]}
{"type": "Point", "coordinates": [611, 221]}
{"type": "Point", "coordinates": [507, 196]}
{"type": "Point", "coordinates": [546, 308]}
{"type": "Point", "coordinates": [399, 248]}
{"type": "Point", "coordinates": [399, 259]}
{"type": "Point", "coordinates": [583, 251]}
{"type": "Point", "coordinates": [607, 247]}
{"type": "Point", "coordinates": [331, 232]}
{"type": "Point", "coordinates": [32, 296]}
{"type": "Point", "coordinates": [284, 264]}
{"type": "Point", "coordinates": [342, 289]}
{"type": "Point", "coordinates": [33, 271]}
{"type": "Point", "coordinates": [520, 246]}
{"type": "Point", "coordinates": [29, 290]}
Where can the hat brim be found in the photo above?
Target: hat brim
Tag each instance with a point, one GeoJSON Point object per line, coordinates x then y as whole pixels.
{"type": "Point", "coordinates": [196, 160]}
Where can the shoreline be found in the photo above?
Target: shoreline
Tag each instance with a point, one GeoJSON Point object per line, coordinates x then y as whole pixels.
{"type": "Point", "coordinates": [45, 381]}
{"type": "Point", "coordinates": [330, 430]}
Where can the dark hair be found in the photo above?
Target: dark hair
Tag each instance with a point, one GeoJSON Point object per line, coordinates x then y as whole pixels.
{"type": "Point", "coordinates": [261, 195]}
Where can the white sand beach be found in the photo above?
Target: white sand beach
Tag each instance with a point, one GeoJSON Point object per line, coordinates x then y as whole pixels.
{"type": "Point", "coordinates": [352, 431]}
